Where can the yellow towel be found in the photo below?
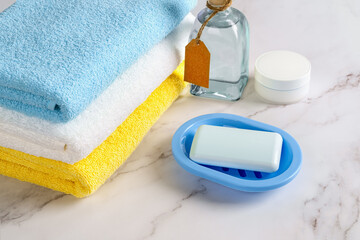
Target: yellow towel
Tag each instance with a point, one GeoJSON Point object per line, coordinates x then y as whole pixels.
{"type": "Point", "coordinates": [84, 177]}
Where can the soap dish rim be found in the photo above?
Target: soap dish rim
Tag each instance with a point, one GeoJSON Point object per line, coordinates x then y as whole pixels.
{"type": "Point", "coordinates": [247, 185]}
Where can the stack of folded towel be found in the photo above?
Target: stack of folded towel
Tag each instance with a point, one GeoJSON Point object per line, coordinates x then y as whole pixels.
{"type": "Point", "coordinates": [82, 81]}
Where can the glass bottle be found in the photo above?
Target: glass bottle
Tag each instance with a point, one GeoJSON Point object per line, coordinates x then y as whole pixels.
{"type": "Point", "coordinates": [226, 36]}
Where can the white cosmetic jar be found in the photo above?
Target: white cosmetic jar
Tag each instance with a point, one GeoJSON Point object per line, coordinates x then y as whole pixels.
{"type": "Point", "coordinates": [282, 77]}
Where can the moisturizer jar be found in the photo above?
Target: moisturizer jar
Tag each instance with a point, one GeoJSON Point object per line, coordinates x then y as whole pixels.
{"type": "Point", "coordinates": [282, 77]}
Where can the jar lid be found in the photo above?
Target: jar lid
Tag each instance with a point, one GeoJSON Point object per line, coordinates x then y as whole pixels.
{"type": "Point", "coordinates": [282, 70]}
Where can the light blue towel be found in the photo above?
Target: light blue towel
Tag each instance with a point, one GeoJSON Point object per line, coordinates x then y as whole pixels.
{"type": "Point", "coordinates": [56, 56]}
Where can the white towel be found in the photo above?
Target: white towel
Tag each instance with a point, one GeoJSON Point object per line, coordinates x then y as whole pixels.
{"type": "Point", "coordinates": [72, 141]}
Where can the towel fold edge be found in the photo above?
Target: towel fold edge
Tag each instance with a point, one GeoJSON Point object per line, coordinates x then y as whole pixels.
{"type": "Point", "coordinates": [86, 176]}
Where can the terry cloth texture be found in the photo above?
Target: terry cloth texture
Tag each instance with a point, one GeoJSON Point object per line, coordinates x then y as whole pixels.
{"type": "Point", "coordinates": [56, 56]}
{"type": "Point", "coordinates": [84, 177]}
{"type": "Point", "coordinates": [74, 140]}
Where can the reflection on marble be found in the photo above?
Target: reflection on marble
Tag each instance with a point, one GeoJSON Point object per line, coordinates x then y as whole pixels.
{"type": "Point", "coordinates": [151, 197]}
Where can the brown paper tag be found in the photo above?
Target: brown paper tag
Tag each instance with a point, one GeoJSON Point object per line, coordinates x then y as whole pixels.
{"type": "Point", "coordinates": [197, 64]}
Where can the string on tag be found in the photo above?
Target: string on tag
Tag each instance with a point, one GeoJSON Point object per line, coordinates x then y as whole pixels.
{"type": "Point", "coordinates": [215, 9]}
{"type": "Point", "coordinates": [197, 56]}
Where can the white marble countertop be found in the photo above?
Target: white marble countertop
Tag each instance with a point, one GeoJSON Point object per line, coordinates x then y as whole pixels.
{"type": "Point", "coordinates": [152, 197]}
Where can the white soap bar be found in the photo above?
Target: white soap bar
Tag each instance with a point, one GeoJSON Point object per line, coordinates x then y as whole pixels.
{"type": "Point", "coordinates": [237, 148]}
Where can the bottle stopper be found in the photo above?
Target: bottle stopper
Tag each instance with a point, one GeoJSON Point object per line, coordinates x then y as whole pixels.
{"type": "Point", "coordinates": [217, 2]}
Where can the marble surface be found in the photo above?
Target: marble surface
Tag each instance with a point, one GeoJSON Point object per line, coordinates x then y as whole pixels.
{"type": "Point", "coordinates": [152, 197]}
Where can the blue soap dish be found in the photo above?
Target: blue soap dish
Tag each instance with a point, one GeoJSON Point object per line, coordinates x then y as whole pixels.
{"type": "Point", "coordinates": [240, 179]}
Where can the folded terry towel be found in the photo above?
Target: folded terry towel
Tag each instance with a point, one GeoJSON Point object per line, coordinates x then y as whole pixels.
{"type": "Point", "coordinates": [56, 56]}
{"type": "Point", "coordinates": [84, 177]}
{"type": "Point", "coordinates": [72, 141]}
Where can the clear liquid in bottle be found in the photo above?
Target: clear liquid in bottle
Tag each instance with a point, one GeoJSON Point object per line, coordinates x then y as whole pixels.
{"type": "Point", "coordinates": [226, 36]}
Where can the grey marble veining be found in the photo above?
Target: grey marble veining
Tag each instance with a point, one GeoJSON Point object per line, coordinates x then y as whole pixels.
{"type": "Point", "coordinates": [19, 203]}
{"type": "Point", "coordinates": [151, 197]}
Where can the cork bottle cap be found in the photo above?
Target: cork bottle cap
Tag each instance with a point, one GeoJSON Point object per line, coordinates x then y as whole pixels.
{"type": "Point", "coordinates": [217, 2]}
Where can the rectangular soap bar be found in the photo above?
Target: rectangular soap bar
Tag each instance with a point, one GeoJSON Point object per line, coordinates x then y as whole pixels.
{"type": "Point", "coordinates": [237, 148]}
